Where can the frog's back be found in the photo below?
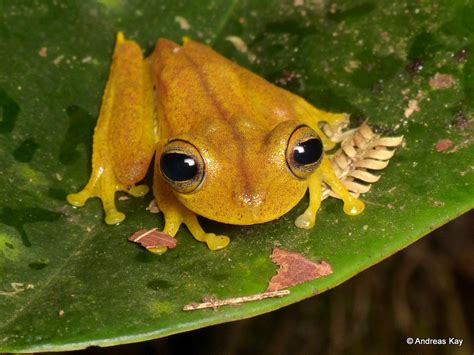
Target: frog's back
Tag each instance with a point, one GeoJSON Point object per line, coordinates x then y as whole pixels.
{"type": "Point", "coordinates": [198, 90]}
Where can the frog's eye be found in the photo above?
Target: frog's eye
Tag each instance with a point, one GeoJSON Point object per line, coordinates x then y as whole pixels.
{"type": "Point", "coordinates": [304, 151]}
{"type": "Point", "coordinates": [182, 166]}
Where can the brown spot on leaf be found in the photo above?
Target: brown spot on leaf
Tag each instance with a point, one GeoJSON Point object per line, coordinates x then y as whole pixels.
{"type": "Point", "coordinates": [443, 145]}
{"type": "Point", "coordinates": [43, 52]}
{"type": "Point", "coordinates": [441, 81]}
{"type": "Point", "coordinates": [153, 239]}
{"type": "Point", "coordinates": [295, 269]}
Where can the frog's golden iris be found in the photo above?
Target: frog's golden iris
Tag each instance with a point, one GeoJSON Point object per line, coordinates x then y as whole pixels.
{"type": "Point", "coordinates": [229, 145]}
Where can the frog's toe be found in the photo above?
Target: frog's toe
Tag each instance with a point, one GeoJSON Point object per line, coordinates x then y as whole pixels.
{"type": "Point", "coordinates": [353, 207]}
{"type": "Point", "coordinates": [78, 199]}
{"type": "Point", "coordinates": [306, 220]}
{"type": "Point", "coordinates": [138, 191]}
{"type": "Point", "coordinates": [112, 216]}
{"type": "Point", "coordinates": [336, 118]}
{"type": "Point", "coordinates": [216, 242]}
{"type": "Point", "coordinates": [158, 250]}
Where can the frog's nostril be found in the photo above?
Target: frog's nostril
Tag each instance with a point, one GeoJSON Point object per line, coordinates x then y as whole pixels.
{"type": "Point", "coordinates": [250, 200]}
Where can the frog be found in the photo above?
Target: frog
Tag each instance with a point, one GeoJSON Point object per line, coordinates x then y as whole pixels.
{"type": "Point", "coordinates": [226, 144]}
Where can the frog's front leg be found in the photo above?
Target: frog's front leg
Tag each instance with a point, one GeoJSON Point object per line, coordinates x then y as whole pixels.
{"type": "Point", "coordinates": [325, 173]}
{"type": "Point", "coordinates": [124, 137]}
{"type": "Point", "coordinates": [176, 214]}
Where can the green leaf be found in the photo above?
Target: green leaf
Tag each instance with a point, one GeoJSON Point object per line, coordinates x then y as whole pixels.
{"type": "Point", "coordinates": [68, 281]}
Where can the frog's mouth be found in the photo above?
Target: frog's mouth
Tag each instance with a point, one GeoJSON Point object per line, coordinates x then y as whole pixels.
{"type": "Point", "coordinates": [245, 209]}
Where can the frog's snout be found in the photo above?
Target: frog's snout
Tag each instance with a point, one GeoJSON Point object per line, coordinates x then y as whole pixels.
{"type": "Point", "coordinates": [250, 200]}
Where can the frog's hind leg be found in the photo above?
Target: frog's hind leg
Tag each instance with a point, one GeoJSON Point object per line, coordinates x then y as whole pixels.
{"type": "Point", "coordinates": [312, 116]}
{"type": "Point", "coordinates": [124, 136]}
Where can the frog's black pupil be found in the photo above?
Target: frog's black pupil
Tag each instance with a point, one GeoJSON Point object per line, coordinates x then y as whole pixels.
{"type": "Point", "coordinates": [178, 167]}
{"type": "Point", "coordinates": [308, 152]}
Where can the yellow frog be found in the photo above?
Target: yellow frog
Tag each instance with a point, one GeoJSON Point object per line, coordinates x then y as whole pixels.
{"type": "Point", "coordinates": [228, 145]}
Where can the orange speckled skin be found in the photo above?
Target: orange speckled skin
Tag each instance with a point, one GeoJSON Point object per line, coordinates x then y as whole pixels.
{"type": "Point", "coordinates": [238, 121]}
{"type": "Point", "coordinates": [131, 148]}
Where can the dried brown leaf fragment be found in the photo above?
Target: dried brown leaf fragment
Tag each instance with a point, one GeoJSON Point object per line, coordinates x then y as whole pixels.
{"type": "Point", "coordinates": [295, 269]}
{"type": "Point", "coordinates": [153, 238]}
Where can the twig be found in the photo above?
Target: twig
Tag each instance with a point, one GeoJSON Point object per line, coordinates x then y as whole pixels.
{"type": "Point", "coordinates": [215, 303]}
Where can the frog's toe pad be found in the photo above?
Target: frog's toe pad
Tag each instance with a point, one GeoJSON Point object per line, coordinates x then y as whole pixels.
{"type": "Point", "coordinates": [305, 221]}
{"type": "Point", "coordinates": [138, 191]}
{"type": "Point", "coordinates": [216, 242]}
{"type": "Point", "coordinates": [158, 250]}
{"type": "Point", "coordinates": [338, 118]}
{"type": "Point", "coordinates": [353, 207]}
{"type": "Point", "coordinates": [113, 216]}
{"type": "Point", "coordinates": [78, 199]}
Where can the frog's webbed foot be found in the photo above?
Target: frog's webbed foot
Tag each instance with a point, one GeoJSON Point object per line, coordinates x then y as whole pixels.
{"type": "Point", "coordinates": [103, 184]}
{"type": "Point", "coordinates": [352, 206]}
{"type": "Point", "coordinates": [123, 137]}
{"type": "Point", "coordinates": [176, 214]}
{"type": "Point", "coordinates": [213, 241]}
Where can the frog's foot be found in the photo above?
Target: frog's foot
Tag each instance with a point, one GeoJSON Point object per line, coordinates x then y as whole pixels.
{"type": "Point", "coordinates": [213, 241]}
{"type": "Point", "coordinates": [306, 220]}
{"type": "Point", "coordinates": [104, 185]}
{"type": "Point", "coordinates": [352, 205]}
{"type": "Point", "coordinates": [173, 219]}
{"type": "Point", "coordinates": [175, 216]}
{"type": "Point", "coordinates": [123, 142]}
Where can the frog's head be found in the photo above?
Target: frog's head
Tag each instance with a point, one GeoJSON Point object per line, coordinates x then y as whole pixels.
{"type": "Point", "coordinates": [244, 175]}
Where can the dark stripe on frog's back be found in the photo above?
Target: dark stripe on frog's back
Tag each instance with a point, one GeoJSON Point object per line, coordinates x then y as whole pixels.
{"type": "Point", "coordinates": [183, 92]}
{"type": "Point", "coordinates": [234, 131]}
{"type": "Point", "coordinates": [238, 138]}
{"type": "Point", "coordinates": [231, 109]}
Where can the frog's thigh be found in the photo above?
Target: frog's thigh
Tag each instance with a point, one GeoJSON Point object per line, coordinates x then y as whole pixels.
{"type": "Point", "coordinates": [312, 116]}
{"type": "Point", "coordinates": [123, 138]}
{"type": "Point", "coordinates": [175, 213]}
